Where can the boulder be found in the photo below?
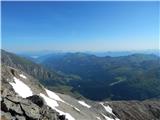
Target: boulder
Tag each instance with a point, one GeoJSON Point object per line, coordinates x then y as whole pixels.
{"type": "Point", "coordinates": [62, 117]}
{"type": "Point", "coordinates": [9, 106]}
{"type": "Point", "coordinates": [32, 108]}
{"type": "Point", "coordinates": [37, 100]}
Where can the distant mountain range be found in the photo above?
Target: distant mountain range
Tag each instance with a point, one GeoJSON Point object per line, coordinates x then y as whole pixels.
{"type": "Point", "coordinates": [37, 54]}
{"type": "Point", "coordinates": [135, 76]}
{"type": "Point", "coordinates": [24, 98]}
{"type": "Point", "coordinates": [131, 77]}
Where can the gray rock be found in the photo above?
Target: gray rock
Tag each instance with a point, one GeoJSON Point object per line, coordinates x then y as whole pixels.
{"type": "Point", "coordinates": [10, 106]}
{"type": "Point", "coordinates": [7, 116]}
{"type": "Point", "coordinates": [37, 100]}
{"type": "Point", "coordinates": [14, 107]}
{"type": "Point", "coordinates": [62, 117]}
{"type": "Point", "coordinates": [48, 114]}
{"type": "Point", "coordinates": [17, 108]}
{"type": "Point", "coordinates": [20, 117]}
{"type": "Point", "coordinates": [31, 111]}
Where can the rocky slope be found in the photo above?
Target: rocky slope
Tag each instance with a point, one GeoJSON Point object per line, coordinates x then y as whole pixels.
{"type": "Point", "coordinates": [34, 69]}
{"type": "Point", "coordinates": [50, 78]}
{"type": "Point", "coordinates": [15, 107]}
{"type": "Point", "coordinates": [23, 98]}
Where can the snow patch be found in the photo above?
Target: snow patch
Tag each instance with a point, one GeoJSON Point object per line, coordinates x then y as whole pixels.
{"type": "Point", "coordinates": [50, 102]}
{"type": "Point", "coordinates": [20, 88]}
{"type": "Point", "coordinates": [53, 104]}
{"type": "Point", "coordinates": [76, 109]}
{"type": "Point", "coordinates": [84, 104]}
{"type": "Point", "coordinates": [98, 118]}
{"type": "Point", "coordinates": [106, 117]}
{"type": "Point", "coordinates": [117, 119]}
{"type": "Point", "coordinates": [22, 76]}
{"type": "Point", "coordinates": [57, 98]}
{"type": "Point", "coordinates": [53, 95]}
{"type": "Point", "coordinates": [68, 116]}
{"type": "Point", "coordinates": [109, 110]}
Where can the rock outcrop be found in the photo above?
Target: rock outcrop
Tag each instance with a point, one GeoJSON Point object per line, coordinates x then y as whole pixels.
{"type": "Point", "coordinates": [32, 108]}
{"type": "Point", "coordinates": [14, 107]}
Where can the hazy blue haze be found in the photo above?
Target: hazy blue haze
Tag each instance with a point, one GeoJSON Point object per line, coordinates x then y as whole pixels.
{"type": "Point", "coordinates": [80, 26]}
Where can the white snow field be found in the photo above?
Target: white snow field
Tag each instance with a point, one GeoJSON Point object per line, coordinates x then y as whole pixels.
{"type": "Point", "coordinates": [84, 104]}
{"type": "Point", "coordinates": [20, 88]}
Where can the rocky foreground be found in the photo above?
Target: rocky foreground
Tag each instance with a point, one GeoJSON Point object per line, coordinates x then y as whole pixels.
{"type": "Point", "coordinates": [23, 98]}
{"type": "Point", "coordinates": [32, 108]}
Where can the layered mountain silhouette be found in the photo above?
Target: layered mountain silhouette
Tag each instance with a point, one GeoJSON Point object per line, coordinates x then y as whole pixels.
{"type": "Point", "coordinates": [24, 98]}
{"type": "Point", "coordinates": [129, 77]}
{"type": "Point", "coordinates": [132, 77]}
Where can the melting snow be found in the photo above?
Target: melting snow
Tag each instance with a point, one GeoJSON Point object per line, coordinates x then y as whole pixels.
{"type": "Point", "coordinates": [98, 118]}
{"type": "Point", "coordinates": [22, 89]}
{"type": "Point", "coordinates": [106, 117]}
{"type": "Point", "coordinates": [68, 116]}
{"type": "Point", "coordinates": [107, 108]}
{"type": "Point", "coordinates": [21, 75]}
{"type": "Point", "coordinates": [56, 97]}
{"type": "Point", "coordinates": [76, 109]}
{"type": "Point", "coordinates": [51, 101]}
{"type": "Point", "coordinates": [117, 119]}
{"type": "Point", "coordinates": [84, 104]}
{"type": "Point", "coordinates": [53, 95]}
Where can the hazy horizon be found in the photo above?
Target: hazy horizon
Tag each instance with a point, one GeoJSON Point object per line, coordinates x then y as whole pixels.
{"type": "Point", "coordinates": [89, 52]}
{"type": "Point", "coordinates": [80, 26]}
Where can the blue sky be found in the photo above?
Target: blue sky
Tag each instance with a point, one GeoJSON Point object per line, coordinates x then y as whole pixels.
{"type": "Point", "coordinates": [79, 26]}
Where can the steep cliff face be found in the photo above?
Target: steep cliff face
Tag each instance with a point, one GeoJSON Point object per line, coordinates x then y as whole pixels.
{"type": "Point", "coordinates": [23, 98]}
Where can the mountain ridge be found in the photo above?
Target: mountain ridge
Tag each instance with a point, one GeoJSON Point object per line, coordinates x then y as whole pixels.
{"type": "Point", "coordinates": [134, 77]}
{"type": "Point", "coordinates": [37, 104]}
{"type": "Point", "coordinates": [100, 72]}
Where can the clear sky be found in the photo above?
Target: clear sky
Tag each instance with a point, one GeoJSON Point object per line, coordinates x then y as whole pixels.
{"type": "Point", "coordinates": [80, 26]}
